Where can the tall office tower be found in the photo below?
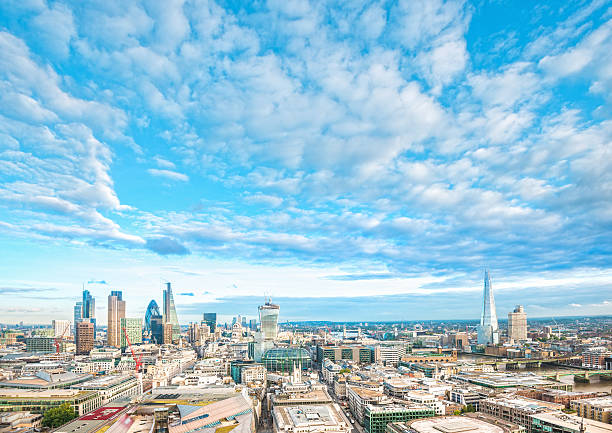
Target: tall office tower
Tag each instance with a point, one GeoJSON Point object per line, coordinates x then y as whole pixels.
{"type": "Point", "coordinates": [488, 332]}
{"type": "Point", "coordinates": [211, 321]}
{"type": "Point", "coordinates": [89, 308]}
{"type": "Point", "coordinates": [84, 337]}
{"type": "Point", "coordinates": [157, 329]}
{"type": "Point", "coordinates": [517, 324]}
{"type": "Point", "coordinates": [253, 324]}
{"type": "Point", "coordinates": [244, 322]}
{"type": "Point", "coordinates": [133, 328]}
{"type": "Point", "coordinates": [61, 328]}
{"type": "Point", "coordinates": [152, 310]}
{"type": "Point", "coordinates": [169, 313]}
{"type": "Point", "coordinates": [78, 315]}
{"type": "Point", "coordinates": [116, 311]}
{"type": "Point", "coordinates": [268, 317]}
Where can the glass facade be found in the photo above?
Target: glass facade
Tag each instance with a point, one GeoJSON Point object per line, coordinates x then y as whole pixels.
{"type": "Point", "coordinates": [268, 317]}
{"type": "Point", "coordinates": [285, 359]}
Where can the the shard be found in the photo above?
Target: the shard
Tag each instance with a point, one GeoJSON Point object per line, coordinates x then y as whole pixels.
{"type": "Point", "coordinates": [488, 332]}
{"type": "Point", "coordinates": [169, 313]}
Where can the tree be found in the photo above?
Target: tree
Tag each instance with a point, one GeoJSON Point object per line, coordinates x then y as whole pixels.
{"type": "Point", "coordinates": [469, 408]}
{"type": "Point", "coordinates": [58, 416]}
{"type": "Point", "coordinates": [345, 370]}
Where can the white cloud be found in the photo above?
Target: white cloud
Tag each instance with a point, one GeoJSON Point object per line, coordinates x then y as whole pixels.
{"type": "Point", "coordinates": [168, 174]}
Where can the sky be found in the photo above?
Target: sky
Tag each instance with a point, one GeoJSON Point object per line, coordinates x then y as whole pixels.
{"type": "Point", "coordinates": [359, 160]}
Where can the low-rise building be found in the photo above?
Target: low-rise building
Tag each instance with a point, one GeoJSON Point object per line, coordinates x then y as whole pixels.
{"type": "Point", "coordinates": [38, 401]}
{"type": "Point", "coordinates": [559, 422]}
{"type": "Point", "coordinates": [377, 417]}
{"type": "Point", "coordinates": [359, 398]}
{"type": "Point", "coordinates": [309, 419]}
{"type": "Point", "coordinates": [112, 387]}
{"type": "Point", "coordinates": [598, 409]}
{"type": "Point", "coordinates": [517, 409]}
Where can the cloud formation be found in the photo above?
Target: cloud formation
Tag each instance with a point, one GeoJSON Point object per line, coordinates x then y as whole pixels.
{"type": "Point", "coordinates": [396, 140]}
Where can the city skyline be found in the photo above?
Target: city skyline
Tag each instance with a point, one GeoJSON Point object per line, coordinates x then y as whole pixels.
{"type": "Point", "coordinates": [331, 156]}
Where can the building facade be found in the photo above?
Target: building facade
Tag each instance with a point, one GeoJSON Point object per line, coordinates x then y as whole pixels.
{"type": "Point", "coordinates": [488, 330]}
{"type": "Point", "coordinates": [133, 328]}
{"type": "Point", "coordinates": [268, 318]}
{"type": "Point", "coordinates": [84, 337]}
{"type": "Point", "coordinates": [517, 324]}
{"type": "Point", "coordinates": [116, 311]}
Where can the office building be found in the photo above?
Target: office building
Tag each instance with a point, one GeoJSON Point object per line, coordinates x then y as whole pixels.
{"type": "Point", "coordinates": [168, 333]}
{"type": "Point", "coordinates": [61, 328]}
{"type": "Point", "coordinates": [376, 417]}
{"type": "Point", "coordinates": [253, 325]}
{"type": "Point", "coordinates": [211, 320]}
{"type": "Point", "coordinates": [309, 419]}
{"type": "Point", "coordinates": [169, 313]}
{"type": "Point", "coordinates": [133, 328]}
{"type": "Point", "coordinates": [112, 387]}
{"type": "Point", "coordinates": [39, 401]}
{"type": "Point", "coordinates": [268, 318]}
{"type": "Point", "coordinates": [559, 422]}
{"type": "Point", "coordinates": [517, 324]}
{"type": "Point", "coordinates": [359, 354]}
{"type": "Point", "coordinates": [78, 315]}
{"type": "Point", "coordinates": [84, 337]}
{"type": "Point", "coordinates": [89, 308]}
{"type": "Point", "coordinates": [116, 311]}
{"type": "Point", "coordinates": [488, 332]}
{"type": "Point", "coordinates": [40, 344]}
{"type": "Point", "coordinates": [286, 359]}
{"type": "Point", "coordinates": [475, 424]}
{"type": "Point", "coordinates": [152, 310]}
{"type": "Point", "coordinates": [157, 329]}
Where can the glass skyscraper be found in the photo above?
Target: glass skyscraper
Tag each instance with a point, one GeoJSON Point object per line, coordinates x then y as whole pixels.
{"type": "Point", "coordinates": [169, 313]}
{"type": "Point", "coordinates": [488, 332]}
{"type": "Point", "coordinates": [268, 317]}
{"type": "Point", "coordinates": [89, 308]}
{"type": "Point", "coordinates": [211, 320]}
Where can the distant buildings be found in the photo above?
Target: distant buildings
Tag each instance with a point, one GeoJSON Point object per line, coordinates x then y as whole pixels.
{"type": "Point", "coordinates": [488, 332]}
{"type": "Point", "coordinates": [517, 324]}
{"type": "Point", "coordinates": [116, 311]}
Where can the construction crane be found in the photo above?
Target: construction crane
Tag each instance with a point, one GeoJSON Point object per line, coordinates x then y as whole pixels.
{"type": "Point", "coordinates": [58, 340]}
{"type": "Point", "coordinates": [138, 360]}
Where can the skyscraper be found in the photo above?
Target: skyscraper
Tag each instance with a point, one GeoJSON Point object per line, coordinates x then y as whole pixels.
{"type": "Point", "coordinates": [78, 315]}
{"type": "Point", "coordinates": [169, 313]}
{"type": "Point", "coordinates": [152, 310]}
{"type": "Point", "coordinates": [517, 324]}
{"type": "Point", "coordinates": [89, 308]}
{"type": "Point", "coordinates": [488, 332]}
{"type": "Point", "coordinates": [268, 317]}
{"type": "Point", "coordinates": [116, 311]}
{"type": "Point", "coordinates": [84, 337]}
{"type": "Point", "coordinates": [211, 321]}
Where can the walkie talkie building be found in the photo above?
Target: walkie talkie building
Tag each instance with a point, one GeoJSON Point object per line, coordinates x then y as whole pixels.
{"type": "Point", "coordinates": [268, 319]}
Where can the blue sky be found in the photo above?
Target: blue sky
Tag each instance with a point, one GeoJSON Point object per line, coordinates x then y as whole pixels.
{"type": "Point", "coordinates": [357, 160]}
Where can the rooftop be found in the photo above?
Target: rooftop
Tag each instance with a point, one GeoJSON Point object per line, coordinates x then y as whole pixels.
{"type": "Point", "coordinates": [572, 422]}
{"type": "Point", "coordinates": [454, 424]}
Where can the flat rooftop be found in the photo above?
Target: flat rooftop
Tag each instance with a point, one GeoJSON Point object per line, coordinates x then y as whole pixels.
{"type": "Point", "coordinates": [104, 381]}
{"type": "Point", "coordinates": [17, 393]}
{"type": "Point", "coordinates": [454, 424]}
{"type": "Point", "coordinates": [572, 422]}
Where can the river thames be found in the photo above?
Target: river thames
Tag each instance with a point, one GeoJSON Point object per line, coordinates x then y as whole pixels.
{"type": "Point", "coordinates": [594, 385]}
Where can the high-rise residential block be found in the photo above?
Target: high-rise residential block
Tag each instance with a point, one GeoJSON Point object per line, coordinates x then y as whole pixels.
{"type": "Point", "coordinates": [116, 311]}
{"type": "Point", "coordinates": [488, 331]}
{"type": "Point", "coordinates": [517, 324]}
{"type": "Point", "coordinates": [268, 317]}
{"type": "Point", "coordinates": [133, 328]}
{"type": "Point", "coordinates": [84, 337]}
